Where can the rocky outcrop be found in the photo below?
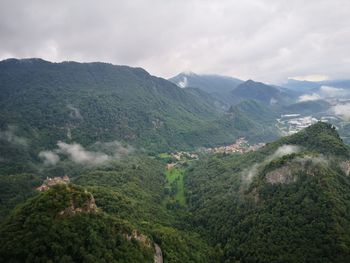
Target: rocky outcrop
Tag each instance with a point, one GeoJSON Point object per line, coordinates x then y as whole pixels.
{"type": "Point", "coordinates": [89, 206]}
{"type": "Point", "coordinates": [345, 167]}
{"type": "Point", "coordinates": [158, 256]}
{"type": "Point", "coordinates": [145, 241]}
{"type": "Point", "coordinates": [49, 182]}
{"type": "Point", "coordinates": [281, 175]}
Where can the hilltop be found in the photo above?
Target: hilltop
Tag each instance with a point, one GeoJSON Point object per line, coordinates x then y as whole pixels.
{"type": "Point", "coordinates": [286, 202]}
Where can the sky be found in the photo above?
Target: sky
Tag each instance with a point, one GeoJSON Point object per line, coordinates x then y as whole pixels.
{"type": "Point", "coordinates": [265, 40]}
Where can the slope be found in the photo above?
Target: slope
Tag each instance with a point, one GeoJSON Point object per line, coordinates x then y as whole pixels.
{"type": "Point", "coordinates": [287, 202]}
{"type": "Point", "coordinates": [43, 103]}
{"type": "Point", "coordinates": [269, 95]}
{"type": "Point", "coordinates": [208, 83]}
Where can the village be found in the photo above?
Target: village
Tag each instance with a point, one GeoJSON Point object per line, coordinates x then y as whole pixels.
{"type": "Point", "coordinates": [240, 146]}
{"type": "Point", "coordinates": [49, 182]}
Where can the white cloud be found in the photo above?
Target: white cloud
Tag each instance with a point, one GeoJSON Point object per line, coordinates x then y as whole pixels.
{"type": "Point", "coordinates": [49, 157]}
{"type": "Point", "coordinates": [78, 154]}
{"type": "Point", "coordinates": [100, 153]}
{"type": "Point", "coordinates": [328, 91]}
{"type": "Point", "coordinates": [311, 78]}
{"type": "Point", "coordinates": [10, 136]}
{"type": "Point", "coordinates": [309, 97]}
{"type": "Point", "coordinates": [342, 110]}
{"type": "Point", "coordinates": [285, 150]}
{"type": "Point", "coordinates": [183, 83]}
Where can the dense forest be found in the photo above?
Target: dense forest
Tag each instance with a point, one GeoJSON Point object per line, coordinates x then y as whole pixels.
{"type": "Point", "coordinates": [43, 103]}
{"type": "Point", "coordinates": [288, 202]}
{"type": "Point", "coordinates": [118, 134]}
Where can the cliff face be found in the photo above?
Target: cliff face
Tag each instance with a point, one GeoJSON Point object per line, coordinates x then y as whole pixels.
{"type": "Point", "coordinates": [89, 206]}
{"type": "Point", "coordinates": [345, 167]}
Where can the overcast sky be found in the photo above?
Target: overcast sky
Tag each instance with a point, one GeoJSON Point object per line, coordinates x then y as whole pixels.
{"type": "Point", "coordinates": [266, 40]}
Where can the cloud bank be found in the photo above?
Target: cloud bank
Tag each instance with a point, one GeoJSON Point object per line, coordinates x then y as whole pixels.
{"type": "Point", "coordinates": [342, 110]}
{"type": "Point", "coordinates": [258, 39]}
{"type": "Point", "coordinates": [309, 97]}
{"type": "Point", "coordinates": [104, 153]}
{"type": "Point", "coordinates": [331, 92]}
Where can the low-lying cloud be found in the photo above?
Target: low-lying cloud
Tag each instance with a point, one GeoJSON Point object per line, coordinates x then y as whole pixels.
{"type": "Point", "coordinates": [10, 136]}
{"type": "Point", "coordinates": [102, 153]}
{"type": "Point", "coordinates": [249, 174]}
{"type": "Point", "coordinates": [309, 97]}
{"type": "Point", "coordinates": [78, 154]}
{"type": "Point", "coordinates": [331, 92]}
{"type": "Point", "coordinates": [75, 114]}
{"type": "Point", "coordinates": [49, 157]}
{"type": "Point", "coordinates": [285, 150]}
{"type": "Point", "coordinates": [342, 110]}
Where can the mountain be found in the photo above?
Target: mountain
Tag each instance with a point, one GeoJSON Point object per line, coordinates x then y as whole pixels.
{"type": "Point", "coordinates": [106, 163]}
{"type": "Point", "coordinates": [257, 117]}
{"type": "Point", "coordinates": [308, 107]}
{"type": "Point", "coordinates": [113, 213]}
{"type": "Point", "coordinates": [208, 83]}
{"type": "Point", "coordinates": [310, 86]}
{"type": "Point", "coordinates": [64, 225]}
{"type": "Point", "coordinates": [286, 202]}
{"type": "Point", "coordinates": [43, 103]}
{"type": "Point", "coordinates": [301, 86]}
{"type": "Point", "coordinates": [251, 90]}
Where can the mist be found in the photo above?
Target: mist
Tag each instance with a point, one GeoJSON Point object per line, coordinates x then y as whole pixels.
{"type": "Point", "coordinates": [249, 174]}
{"type": "Point", "coordinates": [101, 153]}
{"type": "Point", "coordinates": [10, 136]}
{"type": "Point", "coordinates": [342, 110]}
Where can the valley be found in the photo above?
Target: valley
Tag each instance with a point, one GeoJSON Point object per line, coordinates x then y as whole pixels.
{"type": "Point", "coordinates": [179, 131]}
{"type": "Point", "coordinates": [167, 173]}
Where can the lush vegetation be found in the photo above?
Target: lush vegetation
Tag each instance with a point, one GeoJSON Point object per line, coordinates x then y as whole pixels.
{"type": "Point", "coordinates": [287, 202]}
{"type": "Point", "coordinates": [42, 103]}
{"type": "Point", "coordinates": [174, 188]}
{"type": "Point", "coordinates": [302, 218]}
{"type": "Point", "coordinates": [37, 231]}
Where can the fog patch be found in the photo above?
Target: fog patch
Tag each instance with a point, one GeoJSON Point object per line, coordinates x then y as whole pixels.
{"type": "Point", "coordinates": [273, 101]}
{"type": "Point", "coordinates": [183, 83]}
{"type": "Point", "coordinates": [75, 113]}
{"type": "Point", "coordinates": [309, 97]}
{"type": "Point", "coordinates": [328, 91]}
{"type": "Point", "coordinates": [342, 110]}
{"type": "Point", "coordinates": [248, 175]}
{"type": "Point", "coordinates": [49, 157]}
{"type": "Point", "coordinates": [315, 160]}
{"type": "Point", "coordinates": [101, 153]}
{"type": "Point", "coordinates": [10, 136]}
{"type": "Point", "coordinates": [78, 154]}
{"type": "Point", "coordinates": [282, 151]}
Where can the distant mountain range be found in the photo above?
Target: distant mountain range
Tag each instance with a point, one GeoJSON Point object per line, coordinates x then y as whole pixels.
{"type": "Point", "coordinates": [208, 83]}
{"type": "Point", "coordinates": [307, 86]}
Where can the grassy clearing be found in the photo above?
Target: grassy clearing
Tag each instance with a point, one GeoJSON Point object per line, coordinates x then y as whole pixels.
{"type": "Point", "coordinates": [175, 183]}
{"type": "Point", "coordinates": [164, 155]}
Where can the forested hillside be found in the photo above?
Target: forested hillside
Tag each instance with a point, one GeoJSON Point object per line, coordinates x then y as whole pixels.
{"type": "Point", "coordinates": [144, 179]}
{"type": "Point", "coordinates": [93, 217]}
{"type": "Point", "coordinates": [288, 202]}
{"type": "Point", "coordinates": [43, 103]}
